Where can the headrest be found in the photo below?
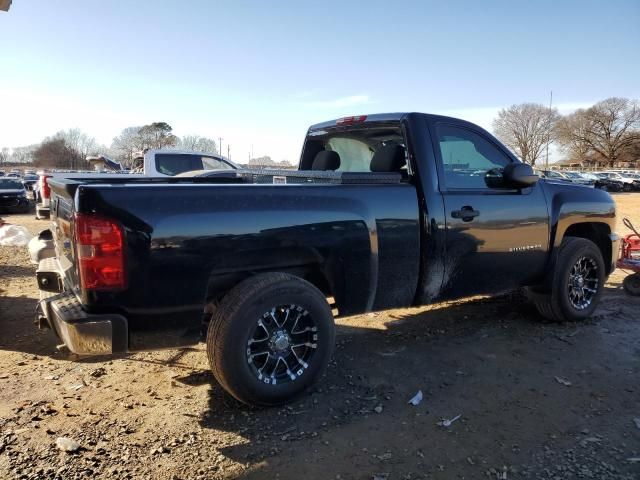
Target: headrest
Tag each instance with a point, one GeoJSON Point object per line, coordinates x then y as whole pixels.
{"type": "Point", "coordinates": [389, 158]}
{"type": "Point", "coordinates": [326, 160]}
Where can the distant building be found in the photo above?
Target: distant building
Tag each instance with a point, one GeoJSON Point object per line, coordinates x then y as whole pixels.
{"type": "Point", "coordinates": [5, 4]}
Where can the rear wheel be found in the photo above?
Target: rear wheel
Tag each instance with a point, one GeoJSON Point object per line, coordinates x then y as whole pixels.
{"type": "Point", "coordinates": [270, 338]}
{"type": "Point", "coordinates": [631, 284]}
{"type": "Point", "coordinates": [576, 284]}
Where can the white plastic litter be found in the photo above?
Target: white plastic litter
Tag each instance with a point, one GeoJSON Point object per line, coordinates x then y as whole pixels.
{"type": "Point", "coordinates": [563, 381]}
{"type": "Point", "coordinates": [637, 422]}
{"type": "Point", "coordinates": [416, 399]}
{"type": "Point", "coordinates": [448, 422]}
{"type": "Point", "coordinates": [14, 236]}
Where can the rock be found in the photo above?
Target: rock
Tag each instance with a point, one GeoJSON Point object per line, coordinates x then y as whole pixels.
{"type": "Point", "coordinates": [67, 444]}
{"type": "Point", "coordinates": [98, 372]}
{"type": "Point", "coordinates": [3, 376]}
{"type": "Point", "coordinates": [378, 409]}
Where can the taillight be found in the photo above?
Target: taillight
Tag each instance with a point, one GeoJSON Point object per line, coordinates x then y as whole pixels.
{"type": "Point", "coordinates": [46, 189]}
{"type": "Point", "coordinates": [351, 120]}
{"type": "Point", "coordinates": [100, 253]}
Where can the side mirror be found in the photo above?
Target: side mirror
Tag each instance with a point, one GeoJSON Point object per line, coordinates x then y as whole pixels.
{"type": "Point", "coordinates": [519, 175]}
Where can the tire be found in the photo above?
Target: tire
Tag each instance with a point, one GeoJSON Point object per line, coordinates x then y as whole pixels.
{"type": "Point", "coordinates": [249, 312]}
{"type": "Point", "coordinates": [563, 302]}
{"type": "Point", "coordinates": [631, 284]}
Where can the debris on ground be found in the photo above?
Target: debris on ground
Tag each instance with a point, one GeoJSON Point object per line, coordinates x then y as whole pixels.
{"type": "Point", "coordinates": [14, 235]}
{"type": "Point", "coordinates": [416, 399]}
{"type": "Point", "coordinates": [378, 409]}
{"type": "Point", "coordinates": [67, 444]}
{"type": "Point", "coordinates": [637, 422]}
{"type": "Point", "coordinates": [98, 372]}
{"type": "Point", "coordinates": [448, 422]}
{"type": "Point", "coordinates": [563, 381]}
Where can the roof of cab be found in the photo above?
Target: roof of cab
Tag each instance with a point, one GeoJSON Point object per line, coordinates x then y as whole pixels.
{"type": "Point", "coordinates": [382, 117]}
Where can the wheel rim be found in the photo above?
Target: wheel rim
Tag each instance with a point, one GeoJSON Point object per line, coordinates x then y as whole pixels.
{"type": "Point", "coordinates": [583, 282]}
{"type": "Point", "coordinates": [282, 344]}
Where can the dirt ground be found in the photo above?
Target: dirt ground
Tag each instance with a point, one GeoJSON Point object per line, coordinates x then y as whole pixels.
{"type": "Point", "coordinates": [535, 400]}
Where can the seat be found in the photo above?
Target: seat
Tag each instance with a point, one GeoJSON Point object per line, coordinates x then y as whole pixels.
{"type": "Point", "coordinates": [326, 160]}
{"type": "Point", "coordinates": [388, 158]}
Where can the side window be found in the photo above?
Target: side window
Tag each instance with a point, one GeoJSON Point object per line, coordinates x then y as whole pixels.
{"type": "Point", "coordinates": [209, 163]}
{"type": "Point", "coordinates": [468, 159]}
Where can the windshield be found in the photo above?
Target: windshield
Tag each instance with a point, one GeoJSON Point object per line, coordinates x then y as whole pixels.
{"type": "Point", "coordinates": [10, 184]}
{"type": "Point", "coordinates": [175, 163]}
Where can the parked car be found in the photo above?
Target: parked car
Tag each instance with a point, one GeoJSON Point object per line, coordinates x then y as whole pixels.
{"type": "Point", "coordinates": [13, 196]}
{"type": "Point", "coordinates": [386, 211]}
{"type": "Point", "coordinates": [579, 178]}
{"type": "Point", "coordinates": [629, 178]}
{"type": "Point", "coordinates": [627, 182]}
{"type": "Point", "coordinates": [29, 181]}
{"type": "Point", "coordinates": [607, 184]}
{"type": "Point", "coordinates": [1, 173]}
{"type": "Point", "coordinates": [555, 176]}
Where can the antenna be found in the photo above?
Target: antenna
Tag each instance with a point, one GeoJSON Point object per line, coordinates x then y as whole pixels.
{"type": "Point", "coordinates": [546, 162]}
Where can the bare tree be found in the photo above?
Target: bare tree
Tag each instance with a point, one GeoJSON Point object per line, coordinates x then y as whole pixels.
{"type": "Point", "coordinates": [55, 153]}
{"type": "Point", "coordinates": [4, 155]}
{"type": "Point", "coordinates": [23, 154]}
{"type": "Point", "coordinates": [198, 144]}
{"type": "Point", "coordinates": [133, 140]}
{"type": "Point", "coordinates": [79, 142]}
{"type": "Point", "coordinates": [526, 129]}
{"type": "Point", "coordinates": [608, 129]}
{"type": "Point", "coordinates": [157, 135]}
{"type": "Point", "coordinates": [128, 143]}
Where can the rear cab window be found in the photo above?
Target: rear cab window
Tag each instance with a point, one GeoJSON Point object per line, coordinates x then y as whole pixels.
{"type": "Point", "coordinates": [176, 163]}
{"type": "Point", "coordinates": [371, 149]}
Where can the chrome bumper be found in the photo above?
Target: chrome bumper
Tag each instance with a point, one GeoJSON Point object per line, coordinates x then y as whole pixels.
{"type": "Point", "coordinates": [84, 333]}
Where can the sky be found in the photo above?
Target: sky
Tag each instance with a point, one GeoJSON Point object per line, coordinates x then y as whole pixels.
{"type": "Point", "coordinates": [259, 73]}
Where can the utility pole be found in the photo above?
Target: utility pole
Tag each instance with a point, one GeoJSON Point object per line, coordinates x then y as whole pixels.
{"type": "Point", "coordinates": [546, 162]}
{"type": "Point", "coordinates": [228, 151]}
{"type": "Point", "coordinates": [220, 145]}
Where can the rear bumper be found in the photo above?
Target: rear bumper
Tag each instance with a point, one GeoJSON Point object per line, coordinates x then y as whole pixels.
{"type": "Point", "coordinates": [82, 332]}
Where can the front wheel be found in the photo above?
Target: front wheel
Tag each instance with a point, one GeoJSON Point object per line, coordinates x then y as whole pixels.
{"type": "Point", "coordinates": [270, 338]}
{"type": "Point", "coordinates": [576, 284]}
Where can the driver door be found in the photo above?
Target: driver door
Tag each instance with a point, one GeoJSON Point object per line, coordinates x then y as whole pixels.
{"type": "Point", "coordinates": [496, 238]}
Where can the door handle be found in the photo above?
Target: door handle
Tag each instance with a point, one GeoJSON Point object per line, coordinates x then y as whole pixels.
{"type": "Point", "coordinates": [466, 213]}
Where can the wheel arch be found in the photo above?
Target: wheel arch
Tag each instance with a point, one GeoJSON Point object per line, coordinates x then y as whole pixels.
{"type": "Point", "coordinates": [311, 268]}
{"type": "Point", "coordinates": [598, 233]}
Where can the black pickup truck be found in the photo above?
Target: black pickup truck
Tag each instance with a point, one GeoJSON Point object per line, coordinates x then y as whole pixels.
{"type": "Point", "coordinates": [385, 211]}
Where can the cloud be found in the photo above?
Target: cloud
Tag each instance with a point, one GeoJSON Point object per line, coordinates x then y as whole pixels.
{"type": "Point", "coordinates": [341, 102]}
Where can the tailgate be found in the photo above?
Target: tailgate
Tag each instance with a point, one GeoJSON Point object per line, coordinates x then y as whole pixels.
{"type": "Point", "coordinates": [62, 210]}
